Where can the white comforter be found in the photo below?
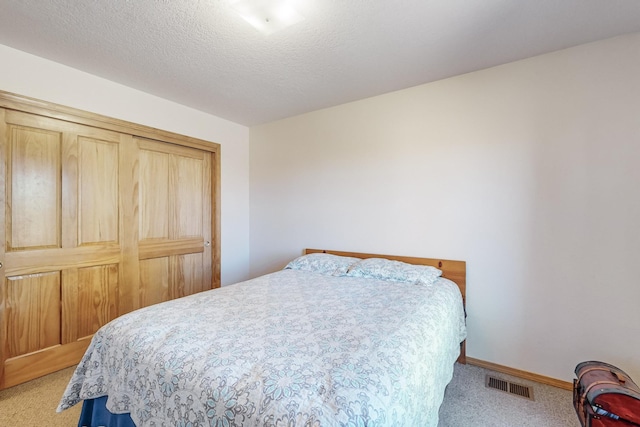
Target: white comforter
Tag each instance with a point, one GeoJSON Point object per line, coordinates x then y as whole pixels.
{"type": "Point", "coordinates": [291, 348]}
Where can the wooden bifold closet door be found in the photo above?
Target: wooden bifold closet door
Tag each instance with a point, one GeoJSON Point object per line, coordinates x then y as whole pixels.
{"type": "Point", "coordinates": [97, 222]}
{"type": "Point", "coordinates": [175, 212]}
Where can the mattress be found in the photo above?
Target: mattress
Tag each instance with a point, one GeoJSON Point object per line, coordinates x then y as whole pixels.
{"type": "Point", "coordinates": [291, 348]}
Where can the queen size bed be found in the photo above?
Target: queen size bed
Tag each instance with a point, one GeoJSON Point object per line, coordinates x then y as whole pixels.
{"type": "Point", "coordinates": [334, 339]}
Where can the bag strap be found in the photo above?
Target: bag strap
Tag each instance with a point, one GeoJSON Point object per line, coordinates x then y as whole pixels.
{"type": "Point", "coordinates": [620, 378]}
{"type": "Point", "coordinates": [596, 383]}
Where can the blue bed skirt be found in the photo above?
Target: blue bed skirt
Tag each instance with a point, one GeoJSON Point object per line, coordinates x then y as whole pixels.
{"type": "Point", "coordinates": [95, 414]}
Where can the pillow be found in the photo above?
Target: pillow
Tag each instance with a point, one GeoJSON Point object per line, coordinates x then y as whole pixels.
{"type": "Point", "coordinates": [333, 265]}
{"type": "Point", "coordinates": [385, 269]}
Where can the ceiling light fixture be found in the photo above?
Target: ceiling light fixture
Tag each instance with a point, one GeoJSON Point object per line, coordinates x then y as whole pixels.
{"type": "Point", "coordinates": [267, 16]}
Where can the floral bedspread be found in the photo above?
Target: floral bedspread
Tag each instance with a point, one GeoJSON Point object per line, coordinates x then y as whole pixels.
{"type": "Point", "coordinates": [291, 348]}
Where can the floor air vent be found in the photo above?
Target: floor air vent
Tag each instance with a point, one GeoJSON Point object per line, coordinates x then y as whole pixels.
{"type": "Point", "coordinates": [509, 387]}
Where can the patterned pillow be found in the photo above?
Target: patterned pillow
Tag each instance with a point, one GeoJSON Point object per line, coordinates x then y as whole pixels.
{"type": "Point", "coordinates": [385, 269]}
{"type": "Point", "coordinates": [333, 265]}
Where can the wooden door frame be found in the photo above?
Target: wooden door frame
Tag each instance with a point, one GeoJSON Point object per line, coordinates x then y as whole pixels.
{"type": "Point", "coordinates": [3, 313]}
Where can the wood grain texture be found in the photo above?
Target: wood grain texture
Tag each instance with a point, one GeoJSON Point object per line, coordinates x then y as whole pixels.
{"type": "Point", "coordinates": [18, 102]}
{"type": "Point", "coordinates": [69, 305]}
{"type": "Point", "coordinates": [164, 247]}
{"type": "Point", "coordinates": [97, 298]}
{"type": "Point", "coordinates": [4, 346]}
{"type": "Point", "coordinates": [216, 215]}
{"type": "Point", "coordinates": [174, 210]}
{"type": "Point", "coordinates": [34, 188]}
{"type": "Point", "coordinates": [175, 149]}
{"type": "Point", "coordinates": [187, 182]}
{"type": "Point", "coordinates": [175, 220]}
{"type": "Point", "coordinates": [33, 312]}
{"type": "Point", "coordinates": [33, 365]}
{"type": "Point", "coordinates": [187, 275]}
{"type": "Point", "coordinates": [40, 121]}
{"type": "Point", "coordinates": [154, 281]}
{"type": "Point", "coordinates": [98, 210]}
{"type": "Point", "coordinates": [29, 262]}
{"type": "Point", "coordinates": [207, 223]}
{"type": "Point", "coordinates": [129, 289]}
{"type": "Point", "coordinates": [96, 242]}
{"type": "Point", "coordinates": [154, 195]}
{"type": "Point", "coordinates": [456, 271]}
{"type": "Point", "coordinates": [70, 182]}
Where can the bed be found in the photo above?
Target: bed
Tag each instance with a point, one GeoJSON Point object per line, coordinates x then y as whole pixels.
{"type": "Point", "coordinates": [334, 339]}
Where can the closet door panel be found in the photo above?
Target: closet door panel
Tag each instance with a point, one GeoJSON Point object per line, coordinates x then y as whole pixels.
{"type": "Point", "coordinates": [187, 182]}
{"type": "Point", "coordinates": [175, 218]}
{"type": "Point", "coordinates": [100, 219]}
{"type": "Point", "coordinates": [188, 277]}
{"type": "Point", "coordinates": [97, 298]}
{"type": "Point", "coordinates": [62, 254]}
{"type": "Point", "coordinates": [154, 195]}
{"type": "Point", "coordinates": [90, 299]}
{"type": "Point", "coordinates": [98, 191]}
{"type": "Point", "coordinates": [33, 189]}
{"type": "Point", "coordinates": [154, 281]}
{"type": "Point", "coordinates": [33, 312]}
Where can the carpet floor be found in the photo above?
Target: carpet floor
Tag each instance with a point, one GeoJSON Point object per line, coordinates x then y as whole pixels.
{"type": "Point", "coordinates": [467, 403]}
{"type": "Point", "coordinates": [34, 403]}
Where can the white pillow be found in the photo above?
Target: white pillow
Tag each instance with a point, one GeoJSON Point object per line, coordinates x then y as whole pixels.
{"type": "Point", "coordinates": [333, 265]}
{"type": "Point", "coordinates": [385, 269]}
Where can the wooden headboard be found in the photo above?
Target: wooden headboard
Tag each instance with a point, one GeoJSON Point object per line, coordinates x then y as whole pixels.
{"type": "Point", "coordinates": [456, 271]}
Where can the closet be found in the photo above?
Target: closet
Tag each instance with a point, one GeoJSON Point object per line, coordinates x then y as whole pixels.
{"type": "Point", "coordinates": [101, 217]}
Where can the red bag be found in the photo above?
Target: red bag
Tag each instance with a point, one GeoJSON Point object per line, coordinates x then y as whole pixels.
{"type": "Point", "coordinates": [605, 396]}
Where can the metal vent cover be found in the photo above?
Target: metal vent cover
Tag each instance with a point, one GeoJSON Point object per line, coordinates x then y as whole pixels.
{"type": "Point", "coordinates": [499, 384]}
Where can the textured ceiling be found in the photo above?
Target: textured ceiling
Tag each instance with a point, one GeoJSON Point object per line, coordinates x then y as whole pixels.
{"type": "Point", "coordinates": [202, 54]}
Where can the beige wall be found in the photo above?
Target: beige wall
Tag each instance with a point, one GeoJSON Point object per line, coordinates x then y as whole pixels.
{"type": "Point", "coordinates": [39, 78]}
{"type": "Point", "coordinates": [528, 171]}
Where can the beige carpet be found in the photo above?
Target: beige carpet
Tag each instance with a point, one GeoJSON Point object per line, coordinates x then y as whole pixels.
{"type": "Point", "coordinates": [467, 403]}
{"type": "Point", "coordinates": [33, 404]}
